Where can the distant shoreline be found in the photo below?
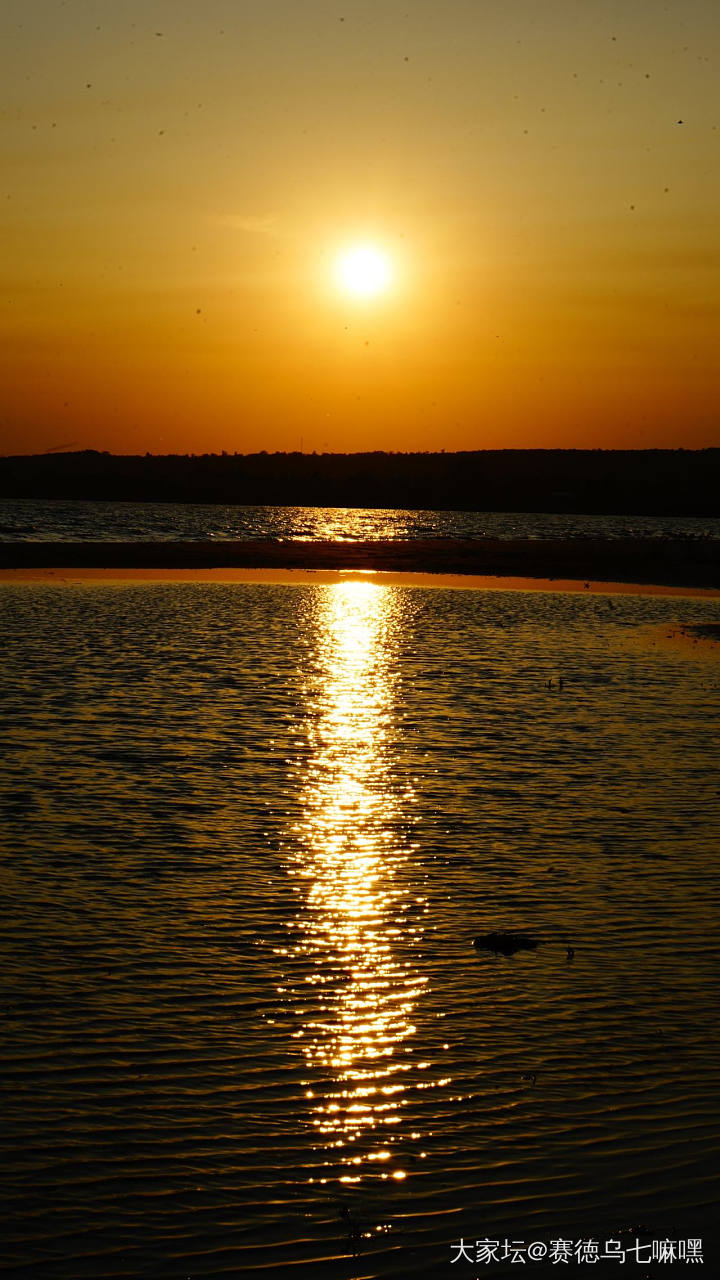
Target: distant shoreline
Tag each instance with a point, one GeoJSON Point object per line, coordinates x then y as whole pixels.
{"type": "Point", "coordinates": [622, 482]}
{"type": "Point", "coordinates": [644, 562]}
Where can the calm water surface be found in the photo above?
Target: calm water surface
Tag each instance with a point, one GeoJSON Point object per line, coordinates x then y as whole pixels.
{"type": "Point", "coordinates": [29, 520]}
{"type": "Point", "coordinates": [250, 834]}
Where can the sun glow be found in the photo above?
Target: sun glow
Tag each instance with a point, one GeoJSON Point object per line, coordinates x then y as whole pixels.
{"type": "Point", "coordinates": [363, 271]}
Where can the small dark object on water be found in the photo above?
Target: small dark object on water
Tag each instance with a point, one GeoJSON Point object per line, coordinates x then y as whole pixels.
{"type": "Point", "coordinates": [355, 1235]}
{"type": "Point", "coordinates": [531, 1076]}
{"type": "Point", "coordinates": [504, 943]}
{"type": "Point", "coordinates": [570, 953]}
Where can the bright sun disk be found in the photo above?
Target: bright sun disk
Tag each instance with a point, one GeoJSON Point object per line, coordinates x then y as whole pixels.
{"type": "Point", "coordinates": [364, 271]}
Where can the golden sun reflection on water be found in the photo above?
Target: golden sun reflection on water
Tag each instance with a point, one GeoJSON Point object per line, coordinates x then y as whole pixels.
{"type": "Point", "coordinates": [358, 995]}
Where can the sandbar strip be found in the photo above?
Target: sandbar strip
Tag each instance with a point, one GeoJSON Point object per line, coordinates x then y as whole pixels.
{"type": "Point", "coordinates": [622, 565]}
{"type": "Point", "coordinates": [318, 577]}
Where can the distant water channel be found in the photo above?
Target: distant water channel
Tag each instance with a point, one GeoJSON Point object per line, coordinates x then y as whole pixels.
{"type": "Point", "coordinates": [250, 833]}
{"type": "Point", "coordinates": [26, 520]}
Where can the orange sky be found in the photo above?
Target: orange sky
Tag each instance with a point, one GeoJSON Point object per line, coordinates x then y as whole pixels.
{"type": "Point", "coordinates": [178, 180]}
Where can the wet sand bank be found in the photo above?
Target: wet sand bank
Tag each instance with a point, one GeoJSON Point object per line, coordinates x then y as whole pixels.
{"type": "Point", "coordinates": [315, 577]}
{"type": "Point", "coordinates": [677, 564]}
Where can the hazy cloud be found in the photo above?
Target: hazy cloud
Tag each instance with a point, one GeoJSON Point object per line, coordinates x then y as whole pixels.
{"type": "Point", "coordinates": [261, 224]}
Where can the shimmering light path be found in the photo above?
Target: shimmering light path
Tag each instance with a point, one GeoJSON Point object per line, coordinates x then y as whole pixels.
{"type": "Point", "coordinates": [356, 1004]}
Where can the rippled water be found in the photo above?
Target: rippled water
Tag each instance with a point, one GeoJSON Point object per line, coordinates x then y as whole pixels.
{"type": "Point", "coordinates": [27, 520]}
{"type": "Point", "coordinates": [250, 834]}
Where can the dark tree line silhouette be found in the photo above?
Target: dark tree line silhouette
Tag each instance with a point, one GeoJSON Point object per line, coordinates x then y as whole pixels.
{"type": "Point", "coordinates": [630, 482]}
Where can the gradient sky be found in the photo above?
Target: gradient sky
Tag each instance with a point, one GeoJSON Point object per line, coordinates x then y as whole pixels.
{"type": "Point", "coordinates": [178, 177]}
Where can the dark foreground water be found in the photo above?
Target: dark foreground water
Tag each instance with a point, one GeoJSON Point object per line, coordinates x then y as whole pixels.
{"type": "Point", "coordinates": [249, 835]}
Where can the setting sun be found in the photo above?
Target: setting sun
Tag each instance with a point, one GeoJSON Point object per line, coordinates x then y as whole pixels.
{"type": "Point", "coordinates": [363, 271]}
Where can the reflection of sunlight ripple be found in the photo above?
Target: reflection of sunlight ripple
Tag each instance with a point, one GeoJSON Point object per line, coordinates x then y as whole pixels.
{"type": "Point", "coordinates": [357, 999]}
